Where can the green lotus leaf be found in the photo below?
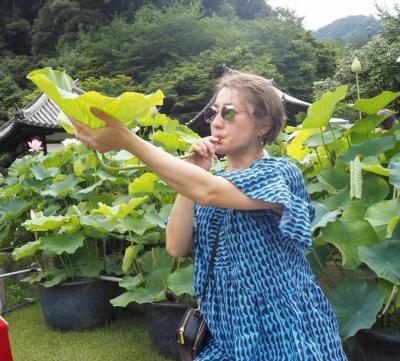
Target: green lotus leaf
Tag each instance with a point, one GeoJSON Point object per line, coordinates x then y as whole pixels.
{"type": "Point", "coordinates": [26, 250]}
{"type": "Point", "coordinates": [157, 259]}
{"type": "Point", "coordinates": [340, 200]}
{"type": "Point", "coordinates": [91, 268]}
{"type": "Point", "coordinates": [13, 209]}
{"type": "Point", "coordinates": [392, 225]}
{"type": "Point", "coordinates": [369, 148]}
{"type": "Point", "coordinates": [131, 283]}
{"type": "Point", "coordinates": [120, 210]}
{"type": "Point", "coordinates": [12, 190]}
{"type": "Point", "coordinates": [348, 237]}
{"type": "Point", "coordinates": [326, 137]}
{"type": "Point", "coordinates": [41, 173]}
{"type": "Point", "coordinates": [181, 281]}
{"type": "Point", "coordinates": [355, 212]}
{"type": "Point", "coordinates": [55, 278]}
{"type": "Point", "coordinates": [144, 183]}
{"type": "Point", "coordinates": [373, 165]}
{"type": "Point", "coordinates": [356, 304]}
{"type": "Point", "coordinates": [127, 107]}
{"type": "Point", "coordinates": [98, 222]}
{"type": "Point", "coordinates": [383, 259]}
{"type": "Point", "coordinates": [367, 125]}
{"type": "Point", "coordinates": [154, 121]}
{"type": "Point", "coordinates": [138, 225]}
{"type": "Point", "coordinates": [323, 216]}
{"type": "Point", "coordinates": [373, 105]}
{"type": "Point", "coordinates": [381, 214]}
{"type": "Point", "coordinates": [375, 189]}
{"type": "Point", "coordinates": [45, 223]}
{"type": "Point", "coordinates": [320, 112]}
{"type": "Point", "coordinates": [63, 187]}
{"type": "Point", "coordinates": [333, 179]}
{"type": "Point", "coordinates": [171, 141]}
{"type": "Point", "coordinates": [60, 243]}
{"type": "Point", "coordinates": [139, 295]}
{"type": "Point", "coordinates": [394, 170]}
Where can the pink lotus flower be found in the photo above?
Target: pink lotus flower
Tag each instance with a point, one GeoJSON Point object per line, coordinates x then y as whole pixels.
{"type": "Point", "coordinates": [35, 146]}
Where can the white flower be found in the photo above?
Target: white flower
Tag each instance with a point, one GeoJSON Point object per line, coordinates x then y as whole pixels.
{"type": "Point", "coordinates": [356, 66]}
{"type": "Point", "coordinates": [70, 141]}
{"type": "Point", "coordinates": [35, 146]}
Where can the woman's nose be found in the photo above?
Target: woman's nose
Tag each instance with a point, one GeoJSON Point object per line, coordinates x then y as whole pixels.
{"type": "Point", "coordinates": [218, 121]}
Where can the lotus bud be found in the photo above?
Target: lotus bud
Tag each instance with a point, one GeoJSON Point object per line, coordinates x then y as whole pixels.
{"type": "Point", "coordinates": [356, 66]}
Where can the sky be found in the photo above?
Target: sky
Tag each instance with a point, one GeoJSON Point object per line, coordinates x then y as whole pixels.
{"type": "Point", "coordinates": [318, 13]}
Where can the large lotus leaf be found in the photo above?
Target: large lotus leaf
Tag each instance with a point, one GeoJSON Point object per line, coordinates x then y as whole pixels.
{"type": "Point", "coordinates": [63, 187]}
{"type": "Point", "coordinates": [41, 173]}
{"type": "Point", "coordinates": [60, 243]}
{"type": "Point", "coordinates": [171, 141]}
{"type": "Point", "coordinates": [383, 259]}
{"type": "Point", "coordinates": [139, 295]}
{"type": "Point", "coordinates": [355, 212]}
{"type": "Point", "coordinates": [153, 217]}
{"type": "Point", "coordinates": [98, 222]}
{"type": "Point", "coordinates": [181, 281]}
{"type": "Point", "coordinates": [54, 278]}
{"type": "Point", "coordinates": [373, 165]}
{"type": "Point", "coordinates": [152, 120]}
{"type": "Point", "coordinates": [13, 209]}
{"type": "Point", "coordinates": [143, 184]}
{"type": "Point", "coordinates": [13, 190]}
{"type": "Point", "coordinates": [157, 259]}
{"type": "Point", "coordinates": [296, 148]}
{"type": "Point", "coordinates": [120, 210]}
{"type": "Point", "coordinates": [340, 200]}
{"type": "Point", "coordinates": [91, 268]}
{"type": "Point", "coordinates": [131, 283]}
{"type": "Point", "coordinates": [367, 125]}
{"type": "Point", "coordinates": [323, 216]}
{"type": "Point", "coordinates": [127, 107]}
{"type": "Point", "coordinates": [26, 250]}
{"type": "Point", "coordinates": [320, 112]}
{"type": "Point", "coordinates": [326, 137]}
{"type": "Point", "coordinates": [394, 170]}
{"type": "Point", "coordinates": [138, 225]}
{"type": "Point", "coordinates": [348, 237]}
{"type": "Point", "coordinates": [334, 179]}
{"type": "Point", "coordinates": [356, 304]}
{"type": "Point", "coordinates": [375, 189]}
{"type": "Point", "coordinates": [45, 223]}
{"type": "Point", "coordinates": [319, 256]}
{"type": "Point", "coordinates": [368, 148]}
{"type": "Point", "coordinates": [381, 214]}
{"type": "Point", "coordinates": [373, 105]}
{"type": "Point", "coordinates": [386, 288]}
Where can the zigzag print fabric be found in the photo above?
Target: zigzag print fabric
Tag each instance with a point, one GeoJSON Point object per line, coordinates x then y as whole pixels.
{"type": "Point", "coordinates": [263, 302]}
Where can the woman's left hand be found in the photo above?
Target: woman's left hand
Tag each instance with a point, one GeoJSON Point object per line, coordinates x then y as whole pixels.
{"type": "Point", "coordinates": [114, 135]}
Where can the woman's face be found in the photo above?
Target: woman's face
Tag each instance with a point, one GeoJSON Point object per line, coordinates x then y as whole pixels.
{"type": "Point", "coordinates": [239, 135]}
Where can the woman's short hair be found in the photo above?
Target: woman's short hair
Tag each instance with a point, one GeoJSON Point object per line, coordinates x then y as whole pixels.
{"type": "Point", "coordinates": [261, 94]}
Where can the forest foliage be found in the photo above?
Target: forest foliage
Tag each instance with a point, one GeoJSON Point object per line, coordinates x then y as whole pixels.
{"type": "Point", "coordinates": [178, 46]}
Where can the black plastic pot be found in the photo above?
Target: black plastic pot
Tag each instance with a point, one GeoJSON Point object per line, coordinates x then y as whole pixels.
{"type": "Point", "coordinates": [374, 345]}
{"type": "Point", "coordinates": [77, 305]}
{"type": "Point", "coordinates": [163, 321]}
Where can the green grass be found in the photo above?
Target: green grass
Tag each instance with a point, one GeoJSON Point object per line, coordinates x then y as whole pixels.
{"type": "Point", "coordinates": [126, 338]}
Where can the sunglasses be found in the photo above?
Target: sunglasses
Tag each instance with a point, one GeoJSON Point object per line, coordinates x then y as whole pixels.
{"type": "Point", "coordinates": [228, 113]}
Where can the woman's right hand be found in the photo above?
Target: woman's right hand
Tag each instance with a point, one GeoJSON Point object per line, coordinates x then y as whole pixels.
{"type": "Point", "coordinates": [204, 152]}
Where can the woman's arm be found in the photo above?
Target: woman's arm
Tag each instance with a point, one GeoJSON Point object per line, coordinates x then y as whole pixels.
{"type": "Point", "coordinates": [180, 227]}
{"type": "Point", "coordinates": [187, 179]}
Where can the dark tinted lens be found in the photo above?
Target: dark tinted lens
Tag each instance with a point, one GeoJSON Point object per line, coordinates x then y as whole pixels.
{"type": "Point", "coordinates": [210, 114]}
{"type": "Point", "coordinates": [228, 114]}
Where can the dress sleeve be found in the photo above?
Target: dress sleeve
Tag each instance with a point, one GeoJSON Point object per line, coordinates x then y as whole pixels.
{"type": "Point", "coordinates": [280, 182]}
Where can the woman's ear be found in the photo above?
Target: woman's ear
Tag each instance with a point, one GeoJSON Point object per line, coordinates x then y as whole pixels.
{"type": "Point", "coordinates": [264, 130]}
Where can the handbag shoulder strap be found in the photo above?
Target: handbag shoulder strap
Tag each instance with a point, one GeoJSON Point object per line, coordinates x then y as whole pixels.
{"type": "Point", "coordinates": [210, 265]}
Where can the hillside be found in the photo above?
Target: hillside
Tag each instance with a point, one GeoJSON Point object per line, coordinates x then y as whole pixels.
{"type": "Point", "coordinates": [351, 30]}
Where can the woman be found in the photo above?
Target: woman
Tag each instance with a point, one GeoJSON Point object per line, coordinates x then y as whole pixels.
{"type": "Point", "coordinates": [262, 302]}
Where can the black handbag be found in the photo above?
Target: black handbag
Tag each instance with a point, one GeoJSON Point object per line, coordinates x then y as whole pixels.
{"type": "Point", "coordinates": [192, 332]}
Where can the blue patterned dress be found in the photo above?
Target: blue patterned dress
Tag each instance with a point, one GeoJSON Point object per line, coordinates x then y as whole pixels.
{"type": "Point", "coordinates": [263, 302]}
